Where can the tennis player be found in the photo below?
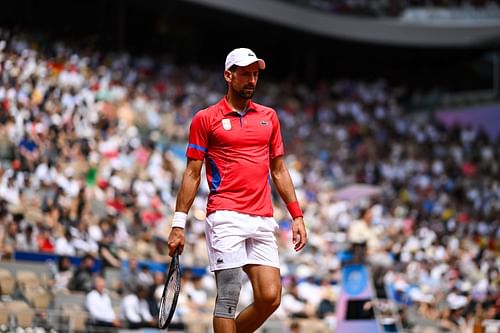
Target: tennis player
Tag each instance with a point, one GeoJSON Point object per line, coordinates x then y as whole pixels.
{"type": "Point", "coordinates": [240, 142]}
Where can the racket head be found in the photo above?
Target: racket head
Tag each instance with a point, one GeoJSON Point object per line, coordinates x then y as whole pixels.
{"type": "Point", "coordinates": [170, 293]}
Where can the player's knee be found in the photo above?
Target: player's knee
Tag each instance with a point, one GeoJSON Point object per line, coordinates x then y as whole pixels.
{"type": "Point", "coordinates": [269, 299]}
{"type": "Point", "coordinates": [228, 292]}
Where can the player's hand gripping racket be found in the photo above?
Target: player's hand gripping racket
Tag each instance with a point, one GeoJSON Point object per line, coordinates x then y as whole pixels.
{"type": "Point", "coordinates": [170, 292]}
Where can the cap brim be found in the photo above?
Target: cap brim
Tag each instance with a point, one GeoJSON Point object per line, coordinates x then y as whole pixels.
{"type": "Point", "coordinates": [262, 63]}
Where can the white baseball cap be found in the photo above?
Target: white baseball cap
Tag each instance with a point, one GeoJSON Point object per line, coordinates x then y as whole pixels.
{"type": "Point", "coordinates": [243, 57]}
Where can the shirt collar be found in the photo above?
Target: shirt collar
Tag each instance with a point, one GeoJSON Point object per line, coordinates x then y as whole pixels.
{"type": "Point", "coordinates": [226, 108]}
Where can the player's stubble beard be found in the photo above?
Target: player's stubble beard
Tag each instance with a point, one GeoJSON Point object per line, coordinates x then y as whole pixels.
{"type": "Point", "coordinates": [245, 95]}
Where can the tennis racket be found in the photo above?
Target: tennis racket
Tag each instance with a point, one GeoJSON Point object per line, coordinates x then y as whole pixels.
{"type": "Point", "coordinates": [170, 292]}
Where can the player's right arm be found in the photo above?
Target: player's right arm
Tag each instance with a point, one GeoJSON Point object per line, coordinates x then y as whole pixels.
{"type": "Point", "coordinates": [185, 198]}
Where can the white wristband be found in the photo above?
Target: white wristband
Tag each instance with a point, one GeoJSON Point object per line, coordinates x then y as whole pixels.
{"type": "Point", "coordinates": [179, 220]}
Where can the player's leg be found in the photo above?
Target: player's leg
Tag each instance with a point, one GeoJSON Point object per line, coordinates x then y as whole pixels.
{"type": "Point", "coordinates": [224, 325]}
{"type": "Point", "coordinates": [228, 293]}
{"type": "Point", "coordinates": [266, 284]}
{"type": "Point", "coordinates": [227, 254]}
{"type": "Point", "coordinates": [263, 271]}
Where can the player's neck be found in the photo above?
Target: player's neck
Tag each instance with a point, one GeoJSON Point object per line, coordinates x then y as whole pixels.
{"type": "Point", "coordinates": [236, 102]}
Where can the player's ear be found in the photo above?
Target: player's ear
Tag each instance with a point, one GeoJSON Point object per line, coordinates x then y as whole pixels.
{"type": "Point", "coordinates": [228, 75]}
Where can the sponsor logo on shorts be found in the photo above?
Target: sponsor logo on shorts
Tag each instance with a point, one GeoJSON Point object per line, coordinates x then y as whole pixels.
{"type": "Point", "coordinates": [220, 261]}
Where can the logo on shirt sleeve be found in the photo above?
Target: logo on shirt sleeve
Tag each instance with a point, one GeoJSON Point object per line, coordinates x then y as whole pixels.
{"type": "Point", "coordinates": [226, 124]}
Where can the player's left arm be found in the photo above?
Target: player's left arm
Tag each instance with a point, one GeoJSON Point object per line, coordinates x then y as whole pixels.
{"type": "Point", "coordinates": [284, 186]}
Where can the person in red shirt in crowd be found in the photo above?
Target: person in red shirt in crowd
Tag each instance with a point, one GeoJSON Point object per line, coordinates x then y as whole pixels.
{"type": "Point", "coordinates": [240, 142]}
{"type": "Point", "coordinates": [44, 240]}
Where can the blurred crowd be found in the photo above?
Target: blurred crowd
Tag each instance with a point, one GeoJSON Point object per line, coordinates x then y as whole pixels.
{"type": "Point", "coordinates": [375, 8]}
{"type": "Point", "coordinates": [91, 153]}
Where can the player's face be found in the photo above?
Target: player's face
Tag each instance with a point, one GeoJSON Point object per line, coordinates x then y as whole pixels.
{"type": "Point", "coordinates": [244, 80]}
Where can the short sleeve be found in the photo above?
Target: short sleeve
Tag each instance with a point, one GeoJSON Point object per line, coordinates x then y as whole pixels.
{"type": "Point", "coordinates": [276, 145]}
{"type": "Point", "coordinates": [198, 137]}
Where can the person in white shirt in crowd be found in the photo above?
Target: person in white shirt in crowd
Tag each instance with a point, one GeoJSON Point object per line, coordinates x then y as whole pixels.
{"type": "Point", "coordinates": [196, 294]}
{"type": "Point", "coordinates": [362, 230]}
{"type": "Point", "coordinates": [65, 245]}
{"type": "Point", "coordinates": [10, 192]}
{"type": "Point", "coordinates": [26, 241]}
{"type": "Point", "coordinates": [98, 304]}
{"type": "Point", "coordinates": [135, 309]}
{"type": "Point", "coordinates": [145, 277]}
{"type": "Point", "coordinates": [309, 290]}
{"type": "Point", "coordinates": [293, 305]}
{"type": "Point", "coordinates": [62, 273]}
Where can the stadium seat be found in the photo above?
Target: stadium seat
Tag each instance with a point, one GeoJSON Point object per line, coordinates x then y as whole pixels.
{"type": "Point", "coordinates": [274, 325]}
{"type": "Point", "coordinates": [38, 297]}
{"type": "Point", "coordinates": [198, 323]}
{"type": "Point", "coordinates": [22, 313]}
{"type": "Point", "coordinates": [4, 315]}
{"type": "Point", "coordinates": [314, 326]}
{"type": "Point", "coordinates": [76, 317]}
{"type": "Point", "coordinates": [7, 282]}
{"type": "Point", "coordinates": [62, 300]}
{"type": "Point", "coordinates": [25, 278]}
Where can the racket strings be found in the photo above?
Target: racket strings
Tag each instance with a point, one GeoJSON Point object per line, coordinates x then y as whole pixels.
{"type": "Point", "coordinates": [170, 294]}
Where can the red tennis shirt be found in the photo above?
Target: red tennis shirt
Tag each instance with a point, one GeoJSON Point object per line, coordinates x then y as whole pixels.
{"type": "Point", "coordinates": [237, 151]}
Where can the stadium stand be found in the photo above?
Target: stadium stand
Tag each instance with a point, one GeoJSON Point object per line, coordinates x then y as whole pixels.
{"type": "Point", "coordinates": [437, 27]}
{"type": "Point", "coordinates": [91, 156]}
{"type": "Point", "coordinates": [393, 8]}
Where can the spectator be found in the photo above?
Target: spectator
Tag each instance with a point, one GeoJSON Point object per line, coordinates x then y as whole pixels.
{"type": "Point", "coordinates": [309, 290]}
{"type": "Point", "coordinates": [8, 240]}
{"type": "Point", "coordinates": [29, 152]}
{"type": "Point", "coordinates": [326, 307]}
{"type": "Point", "coordinates": [106, 251]}
{"type": "Point", "coordinates": [145, 277]}
{"type": "Point", "coordinates": [44, 240]}
{"type": "Point", "coordinates": [135, 309]}
{"type": "Point", "coordinates": [196, 294]}
{"type": "Point", "coordinates": [83, 277]}
{"type": "Point", "coordinates": [98, 304]}
{"type": "Point", "coordinates": [129, 275]}
{"type": "Point", "coordinates": [82, 241]}
{"type": "Point", "coordinates": [158, 286]}
{"type": "Point", "coordinates": [362, 231]}
{"type": "Point", "coordinates": [26, 241]}
{"type": "Point", "coordinates": [42, 321]}
{"type": "Point", "coordinates": [10, 192]}
{"type": "Point", "coordinates": [65, 244]}
{"type": "Point", "coordinates": [293, 305]}
{"type": "Point", "coordinates": [61, 275]}
{"type": "Point", "coordinates": [159, 251]}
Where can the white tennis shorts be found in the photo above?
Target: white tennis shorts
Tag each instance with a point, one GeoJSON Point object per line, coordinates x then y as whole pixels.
{"type": "Point", "coordinates": [235, 239]}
